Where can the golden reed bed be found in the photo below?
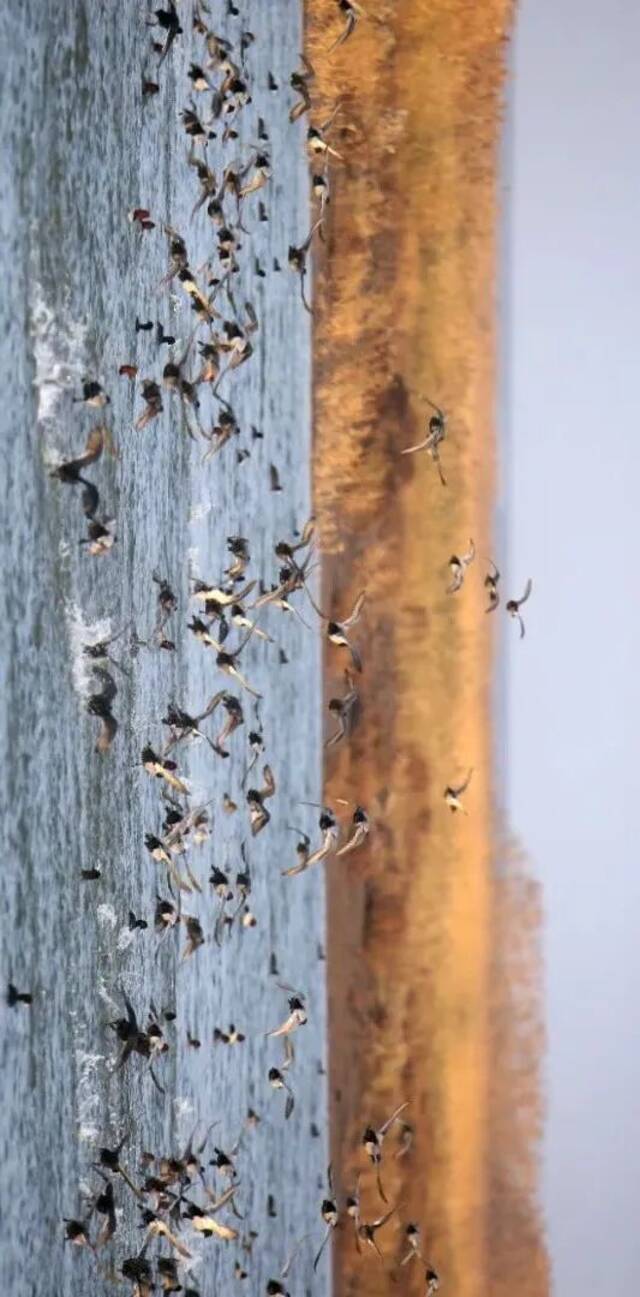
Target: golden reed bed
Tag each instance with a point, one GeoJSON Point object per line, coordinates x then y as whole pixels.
{"type": "Point", "coordinates": [405, 308]}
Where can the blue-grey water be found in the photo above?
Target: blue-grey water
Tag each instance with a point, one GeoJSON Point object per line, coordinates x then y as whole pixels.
{"type": "Point", "coordinates": [79, 148]}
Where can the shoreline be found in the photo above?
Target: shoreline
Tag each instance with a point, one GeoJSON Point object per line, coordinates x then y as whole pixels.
{"type": "Point", "coordinates": [405, 310]}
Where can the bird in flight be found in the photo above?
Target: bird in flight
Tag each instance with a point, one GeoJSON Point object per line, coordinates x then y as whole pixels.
{"type": "Point", "coordinates": [372, 1141]}
{"type": "Point", "coordinates": [491, 586]}
{"type": "Point", "coordinates": [361, 827]}
{"type": "Point", "coordinates": [513, 606]}
{"type": "Point", "coordinates": [458, 564]}
{"type": "Point", "coordinates": [337, 630]}
{"type": "Point", "coordinates": [452, 794]}
{"type": "Point", "coordinates": [436, 433]}
{"type": "Point", "coordinates": [352, 12]}
{"type": "Point", "coordinates": [344, 710]}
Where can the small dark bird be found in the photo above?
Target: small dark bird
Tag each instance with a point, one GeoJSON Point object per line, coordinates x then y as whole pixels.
{"type": "Point", "coordinates": [345, 711]}
{"type": "Point", "coordinates": [491, 586]}
{"type": "Point", "coordinates": [104, 1205]}
{"type": "Point", "coordinates": [152, 398]}
{"type": "Point", "coordinates": [163, 339]}
{"type": "Point", "coordinates": [143, 326]}
{"type": "Point", "coordinates": [412, 1235]}
{"type": "Point", "coordinates": [15, 997]}
{"type": "Point", "coordinates": [99, 704]}
{"type": "Point", "coordinates": [277, 1082]}
{"type": "Point", "coordinates": [453, 794]}
{"type": "Point", "coordinates": [297, 258]}
{"type": "Point", "coordinates": [100, 535]}
{"type": "Point", "coordinates": [256, 797]}
{"type": "Point", "coordinates": [230, 1037]}
{"type": "Point", "coordinates": [168, 20]}
{"type": "Point", "coordinates": [135, 923]}
{"type": "Point", "coordinates": [432, 1280]}
{"type": "Point", "coordinates": [300, 83]}
{"type": "Point", "coordinates": [76, 1233]}
{"type": "Point", "coordinates": [93, 394]}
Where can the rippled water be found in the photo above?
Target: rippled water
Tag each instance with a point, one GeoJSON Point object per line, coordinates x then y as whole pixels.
{"type": "Point", "coordinates": [78, 150]}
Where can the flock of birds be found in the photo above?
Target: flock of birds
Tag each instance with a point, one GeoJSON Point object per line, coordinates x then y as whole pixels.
{"type": "Point", "coordinates": [178, 1197]}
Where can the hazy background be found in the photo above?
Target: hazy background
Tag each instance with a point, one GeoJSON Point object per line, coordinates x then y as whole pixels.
{"type": "Point", "coordinates": [572, 478]}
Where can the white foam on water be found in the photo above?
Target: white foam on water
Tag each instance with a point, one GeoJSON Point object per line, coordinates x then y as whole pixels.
{"type": "Point", "coordinates": [183, 1107]}
{"type": "Point", "coordinates": [199, 511]}
{"type": "Point", "coordinates": [125, 938]}
{"type": "Point", "coordinates": [82, 632]}
{"type": "Point", "coordinates": [106, 915]}
{"type": "Point", "coordinates": [105, 995]}
{"type": "Point", "coordinates": [193, 561]}
{"type": "Point", "coordinates": [59, 352]}
{"type": "Point", "coordinates": [88, 1100]}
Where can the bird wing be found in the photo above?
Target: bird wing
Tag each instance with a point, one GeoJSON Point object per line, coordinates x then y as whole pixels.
{"type": "Point", "coordinates": [93, 449]}
{"type": "Point", "coordinates": [109, 686]}
{"type": "Point", "coordinates": [90, 499]}
{"type": "Point", "coordinates": [436, 459]}
{"type": "Point", "coordinates": [284, 1028]}
{"type": "Point", "coordinates": [527, 591]}
{"type": "Point", "coordinates": [211, 705]}
{"type": "Point", "coordinates": [382, 1220]}
{"type": "Point", "coordinates": [328, 846]}
{"type": "Point", "coordinates": [172, 780]}
{"type": "Point", "coordinates": [207, 1224]}
{"type": "Point", "coordinates": [322, 1247]}
{"type": "Point", "coordinates": [354, 615]}
{"type": "Point", "coordinates": [420, 445]}
{"type": "Point", "coordinates": [394, 1115]}
{"type": "Point", "coordinates": [107, 734]}
{"type": "Point", "coordinates": [295, 869]}
{"type": "Point", "coordinates": [339, 734]}
{"type": "Point", "coordinates": [357, 837]}
{"type": "Point", "coordinates": [344, 36]}
{"type": "Point", "coordinates": [307, 534]}
{"type": "Point", "coordinates": [355, 657]}
{"type": "Point", "coordinates": [218, 1203]}
{"type": "Point", "coordinates": [269, 783]}
{"type": "Point", "coordinates": [245, 683]}
{"type": "Point", "coordinates": [457, 792]}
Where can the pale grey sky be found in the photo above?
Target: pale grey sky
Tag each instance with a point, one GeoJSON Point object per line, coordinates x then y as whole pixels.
{"type": "Point", "coordinates": [572, 486]}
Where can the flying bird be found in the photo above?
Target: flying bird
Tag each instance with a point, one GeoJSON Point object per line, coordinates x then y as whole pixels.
{"type": "Point", "coordinates": [452, 794]}
{"type": "Point", "coordinates": [491, 586]}
{"type": "Point", "coordinates": [337, 631]}
{"type": "Point", "coordinates": [361, 828]}
{"type": "Point", "coordinates": [351, 12]}
{"type": "Point", "coordinates": [436, 432]}
{"type": "Point", "coordinates": [458, 564]}
{"type": "Point", "coordinates": [514, 605]}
